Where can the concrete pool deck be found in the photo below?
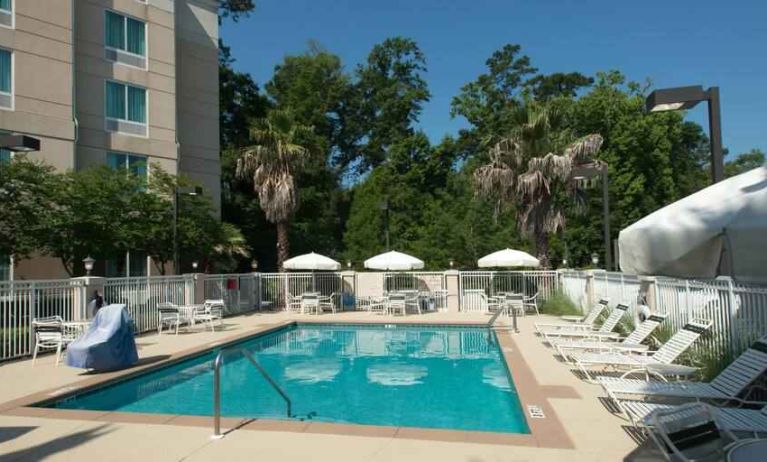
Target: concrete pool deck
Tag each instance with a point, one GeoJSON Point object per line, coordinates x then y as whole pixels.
{"type": "Point", "coordinates": [577, 426]}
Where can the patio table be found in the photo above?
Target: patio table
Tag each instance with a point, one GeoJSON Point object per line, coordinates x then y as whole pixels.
{"type": "Point", "coordinates": [748, 451]}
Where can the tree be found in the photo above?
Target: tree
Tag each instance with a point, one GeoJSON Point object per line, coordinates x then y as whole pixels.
{"type": "Point", "coordinates": [235, 9]}
{"type": "Point", "coordinates": [524, 168]}
{"type": "Point", "coordinates": [271, 164]}
{"type": "Point", "coordinates": [28, 194]}
{"type": "Point", "coordinates": [548, 87]}
{"type": "Point", "coordinates": [744, 162]}
{"type": "Point", "coordinates": [384, 103]}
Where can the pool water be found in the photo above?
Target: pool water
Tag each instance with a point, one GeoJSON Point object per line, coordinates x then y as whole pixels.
{"type": "Point", "coordinates": [425, 376]}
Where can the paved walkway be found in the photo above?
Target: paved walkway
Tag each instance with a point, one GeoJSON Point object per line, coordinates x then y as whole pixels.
{"type": "Point", "coordinates": [596, 434]}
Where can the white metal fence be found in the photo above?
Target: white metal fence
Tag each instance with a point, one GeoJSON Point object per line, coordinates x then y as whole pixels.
{"type": "Point", "coordinates": [277, 288]}
{"type": "Point", "coordinates": [472, 284]}
{"type": "Point", "coordinates": [23, 301]}
{"type": "Point", "coordinates": [143, 294]}
{"type": "Point", "coordinates": [619, 288]}
{"type": "Point", "coordinates": [240, 292]}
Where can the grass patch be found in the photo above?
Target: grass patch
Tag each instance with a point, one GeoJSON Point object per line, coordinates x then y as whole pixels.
{"type": "Point", "coordinates": [559, 304]}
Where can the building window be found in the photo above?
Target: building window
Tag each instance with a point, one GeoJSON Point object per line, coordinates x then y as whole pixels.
{"type": "Point", "coordinates": [5, 268]}
{"type": "Point", "coordinates": [6, 79]}
{"type": "Point", "coordinates": [6, 13]}
{"type": "Point", "coordinates": [133, 264]}
{"type": "Point", "coordinates": [134, 164]}
{"type": "Point", "coordinates": [126, 109]}
{"type": "Point", "coordinates": [126, 34]}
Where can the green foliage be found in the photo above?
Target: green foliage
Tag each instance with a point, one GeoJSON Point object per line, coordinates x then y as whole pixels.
{"type": "Point", "coordinates": [744, 162]}
{"type": "Point", "coordinates": [27, 195]}
{"type": "Point", "coordinates": [559, 304]}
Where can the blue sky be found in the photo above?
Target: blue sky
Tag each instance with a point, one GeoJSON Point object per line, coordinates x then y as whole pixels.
{"type": "Point", "coordinates": [672, 42]}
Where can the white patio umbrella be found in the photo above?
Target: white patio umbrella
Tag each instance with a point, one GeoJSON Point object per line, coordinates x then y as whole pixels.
{"type": "Point", "coordinates": [312, 261]}
{"type": "Point", "coordinates": [393, 261]}
{"type": "Point", "coordinates": [726, 222]}
{"type": "Point", "coordinates": [507, 258]}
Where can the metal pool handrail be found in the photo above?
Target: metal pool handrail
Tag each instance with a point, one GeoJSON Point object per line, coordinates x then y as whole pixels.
{"type": "Point", "coordinates": [217, 388]}
{"type": "Point", "coordinates": [499, 312]}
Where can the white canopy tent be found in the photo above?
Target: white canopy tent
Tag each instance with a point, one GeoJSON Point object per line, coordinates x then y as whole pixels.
{"type": "Point", "coordinates": [507, 258]}
{"type": "Point", "coordinates": [312, 261]}
{"type": "Point", "coordinates": [393, 261]}
{"type": "Point", "coordinates": [725, 223]}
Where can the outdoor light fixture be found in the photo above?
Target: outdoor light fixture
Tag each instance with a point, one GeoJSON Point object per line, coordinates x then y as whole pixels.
{"type": "Point", "coordinates": [595, 258]}
{"type": "Point", "coordinates": [19, 143]}
{"type": "Point", "coordinates": [451, 263]}
{"type": "Point", "coordinates": [190, 191]}
{"type": "Point", "coordinates": [194, 265]}
{"type": "Point", "coordinates": [587, 172]}
{"type": "Point", "coordinates": [681, 98]}
{"type": "Point", "coordinates": [349, 264]}
{"type": "Point", "coordinates": [564, 262]}
{"type": "Point", "coordinates": [88, 263]}
{"type": "Point", "coordinates": [254, 265]}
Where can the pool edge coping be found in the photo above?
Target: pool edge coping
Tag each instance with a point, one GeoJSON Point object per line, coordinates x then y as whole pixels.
{"type": "Point", "coordinates": [545, 432]}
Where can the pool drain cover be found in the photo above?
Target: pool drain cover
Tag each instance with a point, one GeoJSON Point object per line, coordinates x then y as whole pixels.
{"type": "Point", "coordinates": [535, 412]}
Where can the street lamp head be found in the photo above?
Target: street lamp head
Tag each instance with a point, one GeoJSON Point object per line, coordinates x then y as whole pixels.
{"type": "Point", "coordinates": [595, 258]}
{"type": "Point", "coordinates": [19, 143]}
{"type": "Point", "coordinates": [674, 99]}
{"type": "Point", "coordinates": [88, 263]}
{"type": "Point", "coordinates": [194, 265]}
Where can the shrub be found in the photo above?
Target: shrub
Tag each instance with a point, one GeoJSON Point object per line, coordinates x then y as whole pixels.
{"type": "Point", "coordinates": [559, 304]}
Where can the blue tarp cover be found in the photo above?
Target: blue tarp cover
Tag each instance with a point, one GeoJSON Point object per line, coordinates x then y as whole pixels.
{"type": "Point", "coordinates": [108, 344]}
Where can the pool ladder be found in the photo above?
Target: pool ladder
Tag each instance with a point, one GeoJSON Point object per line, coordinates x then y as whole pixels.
{"type": "Point", "coordinates": [217, 388]}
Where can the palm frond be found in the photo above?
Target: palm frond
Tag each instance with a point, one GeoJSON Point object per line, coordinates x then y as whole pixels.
{"type": "Point", "coordinates": [583, 149]}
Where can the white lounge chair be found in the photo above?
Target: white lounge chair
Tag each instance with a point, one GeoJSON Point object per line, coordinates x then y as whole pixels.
{"type": "Point", "coordinates": [169, 315]}
{"type": "Point", "coordinates": [582, 318]}
{"type": "Point", "coordinates": [49, 334]}
{"type": "Point", "coordinates": [585, 322]}
{"type": "Point", "coordinates": [729, 384]}
{"type": "Point", "coordinates": [604, 331]}
{"type": "Point", "coordinates": [732, 418]}
{"type": "Point", "coordinates": [633, 362]}
{"type": "Point", "coordinates": [216, 309]}
{"type": "Point", "coordinates": [631, 343]}
{"type": "Point", "coordinates": [693, 432]}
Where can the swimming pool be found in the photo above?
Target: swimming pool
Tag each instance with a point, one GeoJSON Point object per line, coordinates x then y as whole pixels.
{"type": "Point", "coordinates": [391, 375]}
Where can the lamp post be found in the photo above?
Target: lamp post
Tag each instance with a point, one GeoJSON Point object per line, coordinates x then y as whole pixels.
{"type": "Point", "coordinates": [196, 191]}
{"type": "Point", "coordinates": [14, 144]}
{"type": "Point", "coordinates": [88, 263]}
{"type": "Point", "coordinates": [680, 98]}
{"type": "Point", "coordinates": [586, 172]}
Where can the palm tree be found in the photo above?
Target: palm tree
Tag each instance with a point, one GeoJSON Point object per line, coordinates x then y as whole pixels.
{"type": "Point", "coordinates": [272, 163]}
{"type": "Point", "coordinates": [524, 169]}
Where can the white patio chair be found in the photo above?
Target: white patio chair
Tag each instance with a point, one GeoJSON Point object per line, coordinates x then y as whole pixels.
{"type": "Point", "coordinates": [631, 343]}
{"type": "Point", "coordinates": [216, 308]}
{"type": "Point", "coordinates": [169, 315]}
{"type": "Point", "coordinates": [513, 302]}
{"type": "Point", "coordinates": [604, 331]}
{"type": "Point", "coordinates": [201, 315]}
{"type": "Point", "coordinates": [49, 334]}
{"type": "Point", "coordinates": [396, 303]}
{"type": "Point", "coordinates": [532, 302]}
{"type": "Point", "coordinates": [310, 303]}
{"type": "Point", "coordinates": [585, 322]}
{"type": "Point", "coordinates": [692, 432]}
{"type": "Point", "coordinates": [733, 381]}
{"type": "Point", "coordinates": [329, 302]}
{"type": "Point", "coordinates": [293, 302]}
{"type": "Point", "coordinates": [634, 363]}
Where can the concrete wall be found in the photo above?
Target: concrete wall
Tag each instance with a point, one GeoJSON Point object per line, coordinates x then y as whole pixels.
{"type": "Point", "coordinates": [41, 42]}
{"type": "Point", "coordinates": [93, 70]}
{"type": "Point", "coordinates": [197, 86]}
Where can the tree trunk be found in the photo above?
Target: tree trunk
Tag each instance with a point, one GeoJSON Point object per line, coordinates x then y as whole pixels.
{"type": "Point", "coordinates": [283, 244]}
{"type": "Point", "coordinates": [542, 248]}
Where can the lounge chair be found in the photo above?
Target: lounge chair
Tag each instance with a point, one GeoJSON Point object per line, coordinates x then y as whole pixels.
{"type": "Point", "coordinates": [216, 309]}
{"type": "Point", "coordinates": [694, 432]}
{"type": "Point", "coordinates": [632, 362]}
{"type": "Point", "coordinates": [729, 384]}
{"type": "Point", "coordinates": [604, 331]}
{"type": "Point", "coordinates": [169, 315]}
{"type": "Point", "coordinates": [732, 418]}
{"type": "Point", "coordinates": [49, 334]}
{"type": "Point", "coordinates": [585, 322]}
{"type": "Point", "coordinates": [631, 343]}
{"type": "Point", "coordinates": [582, 318]}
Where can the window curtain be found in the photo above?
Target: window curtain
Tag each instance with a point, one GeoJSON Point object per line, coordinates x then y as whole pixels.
{"type": "Point", "coordinates": [5, 71]}
{"type": "Point", "coordinates": [115, 30]}
{"type": "Point", "coordinates": [6, 5]}
{"type": "Point", "coordinates": [137, 104]}
{"type": "Point", "coordinates": [115, 100]}
{"type": "Point", "coordinates": [136, 37]}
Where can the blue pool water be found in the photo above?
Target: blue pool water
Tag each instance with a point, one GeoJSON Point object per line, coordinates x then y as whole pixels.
{"type": "Point", "coordinates": [426, 376]}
